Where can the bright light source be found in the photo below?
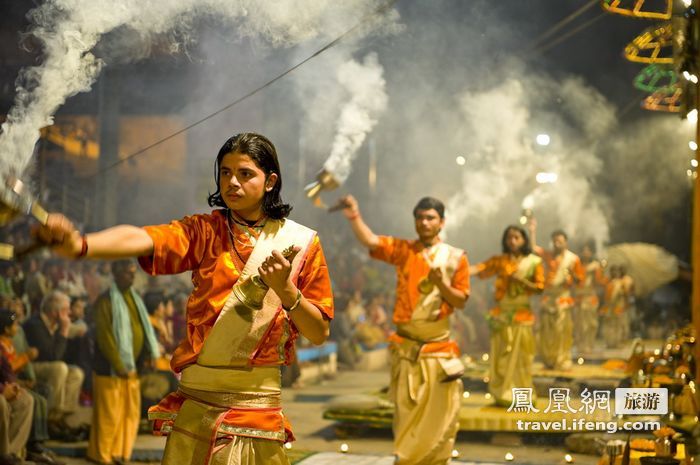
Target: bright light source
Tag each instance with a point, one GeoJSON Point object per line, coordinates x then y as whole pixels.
{"type": "Point", "coordinates": [487, 396]}
{"type": "Point", "coordinates": [690, 77]}
{"type": "Point", "coordinates": [485, 357]}
{"type": "Point", "coordinates": [344, 448]}
{"type": "Point", "coordinates": [692, 116]}
{"type": "Point", "coordinates": [287, 445]}
{"type": "Point", "coordinates": [466, 394]}
{"type": "Point", "coordinates": [568, 458]}
{"type": "Point", "coordinates": [509, 457]}
{"type": "Point", "coordinates": [689, 173]}
{"type": "Point", "coordinates": [581, 361]}
{"type": "Point", "coordinates": [687, 3]}
{"type": "Point", "coordinates": [546, 178]}
{"type": "Point", "coordinates": [693, 145]}
{"type": "Point", "coordinates": [455, 453]}
{"type": "Point", "coordinates": [543, 139]}
{"type": "Point", "coordinates": [461, 160]}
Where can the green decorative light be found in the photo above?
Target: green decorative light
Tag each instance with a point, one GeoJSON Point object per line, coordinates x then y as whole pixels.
{"type": "Point", "coordinates": [656, 78]}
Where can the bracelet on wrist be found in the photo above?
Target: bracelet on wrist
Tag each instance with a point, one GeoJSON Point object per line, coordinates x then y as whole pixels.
{"type": "Point", "coordinates": [297, 301]}
{"type": "Point", "coordinates": [83, 247]}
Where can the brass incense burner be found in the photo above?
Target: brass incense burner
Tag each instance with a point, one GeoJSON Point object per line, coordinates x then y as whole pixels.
{"type": "Point", "coordinates": [15, 200]}
{"type": "Point", "coordinates": [252, 290]}
{"type": "Point", "coordinates": [325, 181]}
{"type": "Point", "coordinates": [425, 286]}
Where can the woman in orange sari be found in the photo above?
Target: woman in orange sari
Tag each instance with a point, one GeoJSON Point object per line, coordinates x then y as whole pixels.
{"type": "Point", "coordinates": [519, 274]}
{"type": "Point", "coordinates": [259, 280]}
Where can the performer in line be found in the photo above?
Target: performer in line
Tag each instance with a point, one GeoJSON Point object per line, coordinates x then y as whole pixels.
{"type": "Point", "coordinates": [259, 279]}
{"type": "Point", "coordinates": [433, 280]}
{"type": "Point", "coordinates": [563, 270]}
{"type": "Point", "coordinates": [615, 310]}
{"type": "Point", "coordinates": [587, 301]}
{"type": "Point", "coordinates": [519, 274]}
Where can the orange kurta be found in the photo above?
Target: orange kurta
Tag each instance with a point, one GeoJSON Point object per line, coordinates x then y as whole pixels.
{"type": "Point", "coordinates": [201, 244]}
{"type": "Point", "coordinates": [411, 267]}
{"type": "Point", "coordinates": [552, 263]}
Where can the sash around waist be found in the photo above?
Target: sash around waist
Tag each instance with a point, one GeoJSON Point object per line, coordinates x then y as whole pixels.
{"type": "Point", "coordinates": [233, 400]}
{"type": "Point", "coordinates": [520, 301]}
{"type": "Point", "coordinates": [262, 380]}
{"type": "Point", "coordinates": [557, 291]}
{"type": "Point", "coordinates": [425, 330]}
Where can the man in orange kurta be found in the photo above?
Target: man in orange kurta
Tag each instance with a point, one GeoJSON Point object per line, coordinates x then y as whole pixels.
{"type": "Point", "coordinates": [432, 279]}
{"type": "Point", "coordinates": [200, 243]}
{"type": "Point", "coordinates": [259, 279]}
{"type": "Point", "coordinates": [563, 272]}
{"type": "Point", "coordinates": [587, 302]}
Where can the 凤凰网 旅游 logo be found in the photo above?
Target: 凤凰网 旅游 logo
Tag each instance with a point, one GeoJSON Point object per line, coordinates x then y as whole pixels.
{"type": "Point", "coordinates": [641, 401]}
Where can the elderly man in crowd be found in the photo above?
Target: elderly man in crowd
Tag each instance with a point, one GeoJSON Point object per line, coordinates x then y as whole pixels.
{"type": "Point", "coordinates": [48, 332]}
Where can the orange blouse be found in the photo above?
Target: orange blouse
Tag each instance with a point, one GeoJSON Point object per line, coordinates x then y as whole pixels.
{"type": "Point", "coordinates": [17, 361]}
{"type": "Point", "coordinates": [411, 268]}
{"type": "Point", "coordinates": [502, 266]}
{"type": "Point", "coordinates": [202, 244]}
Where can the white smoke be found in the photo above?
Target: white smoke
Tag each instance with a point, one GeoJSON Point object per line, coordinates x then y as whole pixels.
{"type": "Point", "coordinates": [502, 123]}
{"type": "Point", "coordinates": [368, 100]}
{"type": "Point", "coordinates": [69, 31]}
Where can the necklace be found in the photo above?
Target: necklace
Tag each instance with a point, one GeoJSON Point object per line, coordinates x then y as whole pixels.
{"type": "Point", "coordinates": [248, 230]}
{"type": "Point", "coordinates": [233, 242]}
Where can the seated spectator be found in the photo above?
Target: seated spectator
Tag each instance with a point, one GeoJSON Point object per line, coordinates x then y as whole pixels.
{"type": "Point", "coordinates": [36, 285]}
{"type": "Point", "coordinates": [343, 333]}
{"type": "Point", "coordinates": [80, 347]}
{"type": "Point", "coordinates": [355, 309]}
{"type": "Point", "coordinates": [48, 332]}
{"type": "Point", "coordinates": [376, 315]}
{"type": "Point", "coordinates": [7, 278]}
{"type": "Point", "coordinates": [27, 377]}
{"type": "Point", "coordinates": [71, 282]}
{"type": "Point", "coordinates": [16, 407]}
{"type": "Point", "coordinates": [39, 433]}
{"type": "Point", "coordinates": [156, 385]}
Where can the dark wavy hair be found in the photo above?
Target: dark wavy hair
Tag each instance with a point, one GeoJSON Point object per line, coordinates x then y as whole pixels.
{"type": "Point", "coordinates": [526, 249]}
{"type": "Point", "coordinates": [264, 154]}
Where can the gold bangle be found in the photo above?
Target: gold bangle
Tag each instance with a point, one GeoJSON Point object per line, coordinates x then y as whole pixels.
{"type": "Point", "coordinates": [296, 302]}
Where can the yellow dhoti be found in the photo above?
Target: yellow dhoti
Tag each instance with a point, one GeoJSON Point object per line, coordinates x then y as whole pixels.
{"type": "Point", "coordinates": [228, 417]}
{"type": "Point", "coordinates": [556, 330]}
{"type": "Point", "coordinates": [615, 328]}
{"type": "Point", "coordinates": [512, 349]}
{"type": "Point", "coordinates": [586, 323]}
{"type": "Point", "coordinates": [115, 418]}
{"type": "Point", "coordinates": [426, 406]}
